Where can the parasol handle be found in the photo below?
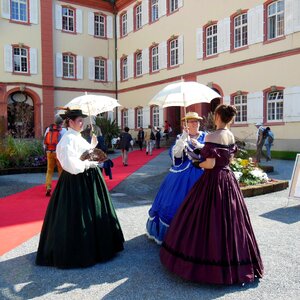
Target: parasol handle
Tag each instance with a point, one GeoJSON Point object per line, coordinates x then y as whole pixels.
{"type": "Point", "coordinates": [92, 129]}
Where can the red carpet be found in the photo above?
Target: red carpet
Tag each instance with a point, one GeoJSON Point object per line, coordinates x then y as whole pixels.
{"type": "Point", "coordinates": [22, 214]}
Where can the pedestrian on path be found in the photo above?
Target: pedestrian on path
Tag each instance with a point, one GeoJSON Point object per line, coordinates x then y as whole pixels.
{"type": "Point", "coordinates": [125, 144]}
{"type": "Point", "coordinates": [269, 142]}
{"type": "Point", "coordinates": [260, 140]}
{"type": "Point", "coordinates": [81, 227]}
{"type": "Point", "coordinates": [210, 239]}
{"type": "Point", "coordinates": [141, 138]}
{"type": "Point", "coordinates": [149, 139]}
{"type": "Point", "coordinates": [52, 136]}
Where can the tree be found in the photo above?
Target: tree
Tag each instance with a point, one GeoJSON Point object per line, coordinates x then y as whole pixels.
{"type": "Point", "coordinates": [109, 130]}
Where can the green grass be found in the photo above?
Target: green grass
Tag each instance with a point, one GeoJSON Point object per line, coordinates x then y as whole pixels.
{"type": "Point", "coordinates": [287, 155]}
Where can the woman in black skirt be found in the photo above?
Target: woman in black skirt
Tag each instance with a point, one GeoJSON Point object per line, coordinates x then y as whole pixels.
{"type": "Point", "coordinates": [81, 227]}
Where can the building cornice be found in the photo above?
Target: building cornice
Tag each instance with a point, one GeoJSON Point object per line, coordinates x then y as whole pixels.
{"type": "Point", "coordinates": [96, 4]}
{"type": "Point", "coordinates": [121, 4]}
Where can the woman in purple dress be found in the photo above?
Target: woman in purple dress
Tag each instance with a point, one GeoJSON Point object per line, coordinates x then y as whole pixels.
{"type": "Point", "coordinates": [211, 239]}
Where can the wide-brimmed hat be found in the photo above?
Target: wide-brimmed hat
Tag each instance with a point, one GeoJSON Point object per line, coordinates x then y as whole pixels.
{"type": "Point", "coordinates": [73, 113]}
{"type": "Point", "coordinates": [191, 115]}
{"type": "Point", "coordinates": [259, 124]}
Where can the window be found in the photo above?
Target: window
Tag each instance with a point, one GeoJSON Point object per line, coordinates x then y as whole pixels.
{"type": "Point", "coordinates": [125, 118]}
{"type": "Point", "coordinates": [240, 31]}
{"type": "Point", "coordinates": [173, 5]}
{"type": "Point", "coordinates": [174, 53]}
{"type": "Point", "coordinates": [19, 10]}
{"type": "Point", "coordinates": [100, 23]}
{"type": "Point", "coordinates": [211, 40]}
{"type": "Point", "coordinates": [68, 19]}
{"type": "Point", "coordinates": [155, 114]}
{"type": "Point", "coordinates": [275, 22]}
{"type": "Point", "coordinates": [138, 17]}
{"type": "Point", "coordinates": [124, 69]}
{"type": "Point", "coordinates": [20, 60]}
{"type": "Point", "coordinates": [154, 59]}
{"type": "Point", "coordinates": [124, 24]}
{"type": "Point", "coordinates": [69, 66]}
{"type": "Point", "coordinates": [139, 64]}
{"type": "Point", "coordinates": [100, 69]}
{"type": "Point", "coordinates": [154, 10]}
{"type": "Point", "coordinates": [275, 106]}
{"type": "Point", "coordinates": [240, 102]}
{"type": "Point", "coordinates": [139, 117]}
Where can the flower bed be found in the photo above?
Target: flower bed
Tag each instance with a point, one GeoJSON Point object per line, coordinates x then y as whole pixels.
{"type": "Point", "coordinates": [264, 188]}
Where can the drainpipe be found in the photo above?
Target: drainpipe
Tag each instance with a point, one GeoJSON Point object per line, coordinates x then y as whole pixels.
{"type": "Point", "coordinates": [116, 57]}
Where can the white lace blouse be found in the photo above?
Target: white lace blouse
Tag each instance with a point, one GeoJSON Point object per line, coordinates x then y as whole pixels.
{"type": "Point", "coordinates": [69, 150]}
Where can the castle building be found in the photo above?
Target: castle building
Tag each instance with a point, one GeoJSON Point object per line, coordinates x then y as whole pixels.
{"type": "Point", "coordinates": [247, 51]}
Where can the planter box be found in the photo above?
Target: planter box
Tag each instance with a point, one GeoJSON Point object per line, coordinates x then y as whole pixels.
{"type": "Point", "coordinates": [264, 188]}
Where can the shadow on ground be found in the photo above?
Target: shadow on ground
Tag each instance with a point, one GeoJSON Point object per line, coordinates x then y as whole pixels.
{"type": "Point", "coordinates": [136, 273]}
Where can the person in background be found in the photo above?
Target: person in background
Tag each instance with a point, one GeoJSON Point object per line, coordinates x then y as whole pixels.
{"type": "Point", "coordinates": [260, 140]}
{"type": "Point", "coordinates": [182, 176]}
{"type": "Point", "coordinates": [149, 139]}
{"type": "Point", "coordinates": [157, 138]}
{"type": "Point", "coordinates": [167, 130]}
{"type": "Point", "coordinates": [81, 227]}
{"type": "Point", "coordinates": [52, 136]}
{"type": "Point", "coordinates": [269, 142]}
{"type": "Point", "coordinates": [125, 144]}
{"type": "Point", "coordinates": [141, 138]}
{"type": "Point", "coordinates": [211, 239]}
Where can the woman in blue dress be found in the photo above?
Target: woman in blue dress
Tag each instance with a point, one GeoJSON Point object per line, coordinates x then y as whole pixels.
{"type": "Point", "coordinates": [182, 176]}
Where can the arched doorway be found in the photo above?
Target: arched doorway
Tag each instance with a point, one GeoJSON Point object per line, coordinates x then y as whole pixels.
{"type": "Point", "coordinates": [20, 115]}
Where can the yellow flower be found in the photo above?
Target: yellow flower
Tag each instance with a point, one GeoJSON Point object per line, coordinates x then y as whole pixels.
{"type": "Point", "coordinates": [244, 162]}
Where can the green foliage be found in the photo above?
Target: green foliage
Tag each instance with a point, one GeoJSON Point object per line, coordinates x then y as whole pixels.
{"type": "Point", "coordinates": [20, 152]}
{"type": "Point", "coordinates": [249, 173]}
{"type": "Point", "coordinates": [109, 130]}
{"type": "Point", "coordinates": [208, 123]}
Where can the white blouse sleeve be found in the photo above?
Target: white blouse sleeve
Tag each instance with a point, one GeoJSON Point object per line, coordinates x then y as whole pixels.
{"type": "Point", "coordinates": [69, 150]}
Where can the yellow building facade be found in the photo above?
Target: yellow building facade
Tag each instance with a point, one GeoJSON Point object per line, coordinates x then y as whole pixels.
{"type": "Point", "coordinates": [248, 51]}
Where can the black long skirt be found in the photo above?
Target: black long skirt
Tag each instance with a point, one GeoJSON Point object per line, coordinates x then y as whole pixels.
{"type": "Point", "coordinates": [81, 227]}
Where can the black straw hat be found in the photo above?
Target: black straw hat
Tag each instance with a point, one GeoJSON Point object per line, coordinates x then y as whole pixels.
{"type": "Point", "coordinates": [73, 113]}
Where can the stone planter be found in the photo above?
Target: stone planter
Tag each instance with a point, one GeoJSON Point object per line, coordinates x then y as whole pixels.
{"type": "Point", "coordinates": [265, 188]}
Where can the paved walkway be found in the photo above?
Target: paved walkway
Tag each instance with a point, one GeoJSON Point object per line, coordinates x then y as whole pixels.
{"type": "Point", "coordinates": [136, 273]}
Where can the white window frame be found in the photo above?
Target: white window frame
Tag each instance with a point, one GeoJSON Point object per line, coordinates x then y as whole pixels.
{"type": "Point", "coordinates": [155, 59]}
{"type": "Point", "coordinates": [174, 5]}
{"type": "Point", "coordinates": [240, 102]}
{"type": "Point", "coordinates": [139, 64]}
{"type": "Point", "coordinates": [125, 118]}
{"type": "Point", "coordinates": [155, 115]}
{"type": "Point", "coordinates": [124, 24]}
{"type": "Point", "coordinates": [240, 30]}
{"type": "Point", "coordinates": [154, 10]}
{"type": "Point", "coordinates": [100, 69]}
{"type": "Point", "coordinates": [275, 106]}
{"type": "Point", "coordinates": [139, 117]}
{"type": "Point", "coordinates": [124, 68]}
{"type": "Point", "coordinates": [275, 19]}
{"type": "Point", "coordinates": [69, 66]}
{"type": "Point", "coordinates": [99, 25]}
{"type": "Point", "coordinates": [21, 15]}
{"type": "Point", "coordinates": [174, 52]}
{"type": "Point", "coordinates": [138, 17]}
{"type": "Point", "coordinates": [67, 17]}
{"type": "Point", "coordinates": [20, 60]}
{"type": "Point", "coordinates": [211, 40]}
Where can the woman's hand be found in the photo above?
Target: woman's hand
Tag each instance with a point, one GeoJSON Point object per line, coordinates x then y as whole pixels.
{"type": "Point", "coordinates": [196, 144]}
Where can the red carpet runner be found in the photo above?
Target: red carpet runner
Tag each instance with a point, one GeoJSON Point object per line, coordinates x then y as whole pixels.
{"type": "Point", "coordinates": [22, 214]}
